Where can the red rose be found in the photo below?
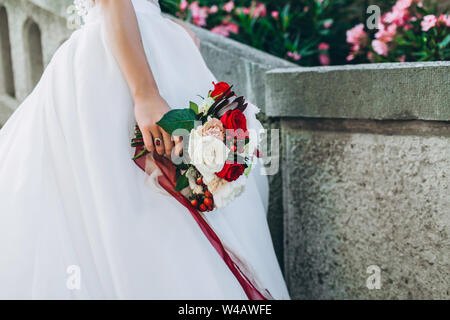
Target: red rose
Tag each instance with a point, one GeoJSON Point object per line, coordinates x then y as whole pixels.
{"type": "Point", "coordinates": [231, 172]}
{"type": "Point", "coordinates": [234, 120]}
{"type": "Point", "coordinates": [219, 89]}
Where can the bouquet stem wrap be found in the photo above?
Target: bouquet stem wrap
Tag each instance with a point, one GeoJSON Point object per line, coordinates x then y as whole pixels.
{"type": "Point", "coordinates": [167, 180]}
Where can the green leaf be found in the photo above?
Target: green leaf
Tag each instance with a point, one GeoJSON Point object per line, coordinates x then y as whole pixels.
{"type": "Point", "coordinates": [141, 154]}
{"type": "Point", "coordinates": [182, 183]}
{"type": "Point", "coordinates": [193, 107]}
{"type": "Point", "coordinates": [248, 170]}
{"type": "Point", "coordinates": [445, 42]}
{"type": "Point", "coordinates": [182, 166]}
{"type": "Point", "coordinates": [178, 119]}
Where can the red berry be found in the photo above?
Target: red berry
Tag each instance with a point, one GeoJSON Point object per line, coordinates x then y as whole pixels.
{"type": "Point", "coordinates": [208, 202]}
{"type": "Point", "coordinates": [199, 181]}
{"type": "Point", "coordinates": [208, 194]}
{"type": "Point", "coordinates": [202, 208]}
{"type": "Point", "coordinates": [194, 203]}
{"type": "Point", "coordinates": [234, 148]}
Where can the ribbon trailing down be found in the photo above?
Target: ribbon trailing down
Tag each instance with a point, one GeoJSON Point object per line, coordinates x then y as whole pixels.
{"type": "Point", "coordinates": [167, 180]}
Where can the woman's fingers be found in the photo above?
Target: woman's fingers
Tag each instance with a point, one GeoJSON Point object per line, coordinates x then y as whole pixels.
{"type": "Point", "coordinates": [168, 143]}
{"type": "Point", "coordinates": [158, 140]}
{"type": "Point", "coordinates": [178, 149]}
{"type": "Point", "coordinates": [148, 139]}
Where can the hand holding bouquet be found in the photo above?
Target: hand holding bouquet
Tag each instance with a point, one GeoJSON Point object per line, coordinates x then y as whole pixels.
{"type": "Point", "coordinates": [213, 171]}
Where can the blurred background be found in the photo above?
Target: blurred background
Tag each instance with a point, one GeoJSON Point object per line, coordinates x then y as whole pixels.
{"type": "Point", "coordinates": [324, 32]}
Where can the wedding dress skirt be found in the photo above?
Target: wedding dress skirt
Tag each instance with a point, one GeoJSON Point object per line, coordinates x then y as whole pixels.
{"type": "Point", "coordinates": [71, 198]}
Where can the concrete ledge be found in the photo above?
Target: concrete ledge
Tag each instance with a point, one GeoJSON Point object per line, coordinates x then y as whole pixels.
{"type": "Point", "coordinates": [388, 91]}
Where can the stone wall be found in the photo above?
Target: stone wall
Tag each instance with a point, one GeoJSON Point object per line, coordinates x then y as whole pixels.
{"type": "Point", "coordinates": [366, 179]}
{"type": "Point", "coordinates": [30, 34]}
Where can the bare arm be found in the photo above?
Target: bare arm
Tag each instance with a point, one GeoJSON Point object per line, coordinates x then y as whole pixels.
{"type": "Point", "coordinates": [126, 44]}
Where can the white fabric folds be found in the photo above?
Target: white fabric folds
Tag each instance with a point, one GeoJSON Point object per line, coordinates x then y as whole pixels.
{"type": "Point", "coordinates": [77, 220]}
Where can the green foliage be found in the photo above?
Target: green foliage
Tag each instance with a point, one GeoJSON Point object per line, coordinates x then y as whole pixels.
{"type": "Point", "coordinates": [178, 119]}
{"type": "Point", "coordinates": [182, 182]}
{"type": "Point", "coordinates": [300, 26]}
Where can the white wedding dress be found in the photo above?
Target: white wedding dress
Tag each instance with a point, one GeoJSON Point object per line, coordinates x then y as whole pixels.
{"type": "Point", "coordinates": [74, 204]}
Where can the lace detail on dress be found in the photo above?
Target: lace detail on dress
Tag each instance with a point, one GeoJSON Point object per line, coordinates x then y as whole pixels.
{"type": "Point", "coordinates": [78, 12]}
{"type": "Point", "coordinates": [82, 7]}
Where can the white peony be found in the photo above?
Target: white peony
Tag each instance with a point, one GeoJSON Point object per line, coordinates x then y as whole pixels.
{"type": "Point", "coordinates": [207, 154]}
{"type": "Point", "coordinates": [229, 191]}
{"type": "Point", "coordinates": [205, 105]}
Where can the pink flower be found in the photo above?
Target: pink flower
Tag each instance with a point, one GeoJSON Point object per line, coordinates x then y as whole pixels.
{"type": "Point", "coordinates": [199, 14]}
{"type": "Point", "coordinates": [402, 58]}
{"type": "Point", "coordinates": [356, 34]}
{"type": "Point", "coordinates": [399, 14]}
{"type": "Point", "coordinates": [294, 55]}
{"type": "Point", "coordinates": [350, 57]}
{"type": "Point", "coordinates": [214, 127]}
{"type": "Point", "coordinates": [256, 10]}
{"type": "Point", "coordinates": [324, 59]}
{"type": "Point", "coordinates": [328, 24]}
{"type": "Point", "coordinates": [355, 47]}
{"type": "Point", "coordinates": [221, 30]}
{"type": "Point", "coordinates": [246, 11]}
{"type": "Point", "coordinates": [324, 46]}
{"type": "Point", "coordinates": [226, 28]}
{"type": "Point", "coordinates": [380, 47]}
{"type": "Point", "coordinates": [445, 19]}
{"type": "Point", "coordinates": [386, 34]}
{"type": "Point", "coordinates": [213, 9]}
{"type": "Point", "coordinates": [260, 10]}
{"type": "Point", "coordinates": [231, 27]}
{"type": "Point", "coordinates": [229, 6]}
{"type": "Point", "coordinates": [275, 14]}
{"type": "Point", "coordinates": [184, 5]}
{"type": "Point", "coordinates": [428, 22]}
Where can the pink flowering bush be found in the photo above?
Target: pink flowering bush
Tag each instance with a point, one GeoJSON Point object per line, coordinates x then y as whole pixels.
{"type": "Point", "coordinates": [412, 30]}
{"type": "Point", "coordinates": [306, 32]}
{"type": "Point", "coordinates": [325, 32]}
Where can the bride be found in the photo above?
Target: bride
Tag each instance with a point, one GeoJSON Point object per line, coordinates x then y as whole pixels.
{"type": "Point", "coordinates": [77, 219]}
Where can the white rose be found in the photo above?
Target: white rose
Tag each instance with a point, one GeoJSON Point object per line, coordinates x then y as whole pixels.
{"type": "Point", "coordinates": [207, 154]}
{"type": "Point", "coordinates": [205, 105]}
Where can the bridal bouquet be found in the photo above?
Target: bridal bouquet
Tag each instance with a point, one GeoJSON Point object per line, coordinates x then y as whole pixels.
{"type": "Point", "coordinates": [217, 158]}
{"type": "Point", "coordinates": [220, 150]}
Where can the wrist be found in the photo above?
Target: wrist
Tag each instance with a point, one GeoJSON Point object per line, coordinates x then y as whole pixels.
{"type": "Point", "coordinates": [145, 96]}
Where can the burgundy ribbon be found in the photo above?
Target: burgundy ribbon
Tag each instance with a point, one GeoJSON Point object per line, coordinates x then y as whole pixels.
{"type": "Point", "coordinates": [167, 180]}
